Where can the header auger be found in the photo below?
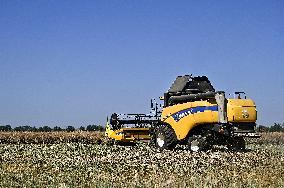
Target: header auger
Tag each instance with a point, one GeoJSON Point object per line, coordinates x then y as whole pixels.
{"type": "Point", "coordinates": [193, 113]}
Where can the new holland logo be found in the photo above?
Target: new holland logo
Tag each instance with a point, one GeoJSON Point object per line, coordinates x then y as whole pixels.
{"type": "Point", "coordinates": [245, 114]}
{"type": "Point", "coordinates": [183, 113]}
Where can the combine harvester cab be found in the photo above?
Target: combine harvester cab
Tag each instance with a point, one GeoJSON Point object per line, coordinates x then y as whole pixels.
{"type": "Point", "coordinates": [193, 113]}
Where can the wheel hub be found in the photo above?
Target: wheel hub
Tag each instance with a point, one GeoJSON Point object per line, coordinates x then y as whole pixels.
{"type": "Point", "coordinates": [194, 145]}
{"type": "Point", "coordinates": [160, 140]}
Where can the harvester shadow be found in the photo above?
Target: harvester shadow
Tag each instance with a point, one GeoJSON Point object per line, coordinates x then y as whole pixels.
{"type": "Point", "coordinates": [125, 143]}
{"type": "Point", "coordinates": [215, 149]}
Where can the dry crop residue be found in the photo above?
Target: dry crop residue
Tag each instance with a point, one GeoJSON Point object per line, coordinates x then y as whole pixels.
{"type": "Point", "coordinates": [78, 164]}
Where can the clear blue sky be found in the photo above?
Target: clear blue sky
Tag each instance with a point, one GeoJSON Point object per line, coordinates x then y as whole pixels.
{"type": "Point", "coordinates": [75, 62]}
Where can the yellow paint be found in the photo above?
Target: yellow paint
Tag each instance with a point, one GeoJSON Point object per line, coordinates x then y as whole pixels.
{"type": "Point", "coordinates": [241, 110]}
{"type": "Point", "coordinates": [184, 125]}
{"type": "Point", "coordinates": [127, 134]}
{"type": "Point", "coordinates": [238, 110]}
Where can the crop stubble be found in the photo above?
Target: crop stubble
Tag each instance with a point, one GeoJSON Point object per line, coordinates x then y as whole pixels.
{"type": "Point", "coordinates": [71, 163]}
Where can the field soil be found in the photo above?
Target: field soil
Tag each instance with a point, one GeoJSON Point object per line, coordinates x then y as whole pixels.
{"type": "Point", "coordinates": [84, 163]}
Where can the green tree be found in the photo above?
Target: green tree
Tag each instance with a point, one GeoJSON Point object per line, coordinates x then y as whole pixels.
{"type": "Point", "coordinates": [34, 129]}
{"type": "Point", "coordinates": [82, 128]}
{"type": "Point", "coordinates": [70, 129]}
{"type": "Point", "coordinates": [94, 128]}
{"type": "Point", "coordinates": [56, 128]}
{"type": "Point", "coordinates": [100, 128]}
{"type": "Point", "coordinates": [23, 128]}
{"type": "Point", "coordinates": [276, 128]}
{"type": "Point", "coordinates": [91, 128]}
{"type": "Point", "coordinates": [6, 128]}
{"type": "Point", "coordinates": [263, 128]}
{"type": "Point", "coordinates": [45, 129]}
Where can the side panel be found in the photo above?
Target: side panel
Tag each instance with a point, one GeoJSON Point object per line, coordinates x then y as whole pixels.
{"type": "Point", "coordinates": [183, 117]}
{"type": "Point", "coordinates": [241, 110]}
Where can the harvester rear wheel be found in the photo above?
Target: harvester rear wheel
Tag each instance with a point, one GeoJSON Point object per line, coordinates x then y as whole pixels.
{"type": "Point", "coordinates": [165, 137]}
{"type": "Point", "coordinates": [197, 143]}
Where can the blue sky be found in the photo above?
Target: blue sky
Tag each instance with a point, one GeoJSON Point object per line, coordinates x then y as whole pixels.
{"type": "Point", "coordinates": [75, 62]}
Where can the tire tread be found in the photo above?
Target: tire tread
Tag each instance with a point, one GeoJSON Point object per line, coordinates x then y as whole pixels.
{"type": "Point", "coordinates": [170, 136]}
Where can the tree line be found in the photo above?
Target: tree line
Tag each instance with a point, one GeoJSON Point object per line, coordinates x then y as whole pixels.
{"type": "Point", "coordinates": [276, 127]}
{"type": "Point", "coordinates": [25, 128]}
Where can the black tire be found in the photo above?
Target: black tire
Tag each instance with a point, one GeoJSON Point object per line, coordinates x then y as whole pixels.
{"type": "Point", "coordinates": [165, 137]}
{"type": "Point", "coordinates": [237, 144]}
{"type": "Point", "coordinates": [197, 143]}
{"type": "Point", "coordinates": [152, 137]}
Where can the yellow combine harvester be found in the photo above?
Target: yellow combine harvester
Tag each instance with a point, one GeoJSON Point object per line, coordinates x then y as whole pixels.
{"type": "Point", "coordinates": [193, 113]}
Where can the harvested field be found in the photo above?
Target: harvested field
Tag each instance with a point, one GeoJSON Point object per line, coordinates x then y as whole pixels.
{"type": "Point", "coordinates": [77, 164]}
{"type": "Point", "coordinates": [275, 138]}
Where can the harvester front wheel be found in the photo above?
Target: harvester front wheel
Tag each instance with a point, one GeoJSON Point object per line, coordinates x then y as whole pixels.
{"type": "Point", "coordinates": [165, 137]}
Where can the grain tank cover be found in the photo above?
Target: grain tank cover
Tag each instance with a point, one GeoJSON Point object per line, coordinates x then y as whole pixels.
{"type": "Point", "coordinates": [179, 84]}
{"type": "Point", "coordinates": [191, 85]}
